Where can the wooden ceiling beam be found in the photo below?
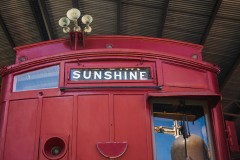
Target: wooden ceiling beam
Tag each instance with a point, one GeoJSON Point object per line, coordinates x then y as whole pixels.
{"type": "Point", "coordinates": [7, 33]}
{"type": "Point", "coordinates": [164, 16]}
{"type": "Point", "coordinates": [210, 22]}
{"type": "Point", "coordinates": [46, 19]}
{"type": "Point", "coordinates": [39, 19]}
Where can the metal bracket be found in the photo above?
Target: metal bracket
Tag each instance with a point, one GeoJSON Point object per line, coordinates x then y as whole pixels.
{"type": "Point", "coordinates": [62, 89]}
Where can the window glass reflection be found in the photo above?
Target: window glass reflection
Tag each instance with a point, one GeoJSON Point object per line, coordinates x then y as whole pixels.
{"type": "Point", "coordinates": [180, 132]}
{"type": "Point", "coordinates": [39, 79]}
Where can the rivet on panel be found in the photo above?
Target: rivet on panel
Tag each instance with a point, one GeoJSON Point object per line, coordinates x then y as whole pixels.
{"type": "Point", "coordinates": [22, 58]}
{"type": "Point", "coordinates": [195, 56]}
{"type": "Point", "coordinates": [40, 93]}
{"type": "Point", "coordinates": [109, 46]}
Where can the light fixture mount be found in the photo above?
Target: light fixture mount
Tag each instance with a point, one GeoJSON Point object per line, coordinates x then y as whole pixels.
{"type": "Point", "coordinates": [77, 32]}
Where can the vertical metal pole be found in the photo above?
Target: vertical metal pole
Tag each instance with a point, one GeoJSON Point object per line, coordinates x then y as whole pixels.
{"type": "Point", "coordinates": [75, 40]}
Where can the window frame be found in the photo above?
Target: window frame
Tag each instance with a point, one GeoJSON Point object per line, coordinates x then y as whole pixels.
{"type": "Point", "coordinates": [14, 81]}
{"type": "Point", "coordinates": [106, 64]}
{"type": "Point", "coordinates": [188, 101]}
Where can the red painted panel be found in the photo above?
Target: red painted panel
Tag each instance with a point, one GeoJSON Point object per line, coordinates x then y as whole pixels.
{"type": "Point", "coordinates": [130, 125]}
{"type": "Point", "coordinates": [184, 77]}
{"type": "Point", "coordinates": [232, 136]}
{"type": "Point", "coordinates": [57, 115]}
{"type": "Point", "coordinates": [112, 149]}
{"type": "Point", "coordinates": [99, 42]}
{"type": "Point", "coordinates": [93, 125]}
{"type": "Point", "coordinates": [20, 137]}
{"type": "Point", "coordinates": [3, 124]}
{"type": "Point", "coordinates": [222, 152]}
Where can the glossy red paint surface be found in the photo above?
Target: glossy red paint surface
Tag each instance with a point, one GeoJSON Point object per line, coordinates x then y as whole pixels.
{"type": "Point", "coordinates": [232, 136]}
{"type": "Point", "coordinates": [56, 120]}
{"type": "Point", "coordinates": [102, 111]}
{"type": "Point", "coordinates": [219, 130]}
{"type": "Point", "coordinates": [175, 48]}
{"type": "Point", "coordinates": [190, 77]}
{"type": "Point", "coordinates": [112, 149]}
{"type": "Point", "coordinates": [21, 124]}
{"type": "Point", "coordinates": [93, 125]}
{"type": "Point", "coordinates": [130, 125]}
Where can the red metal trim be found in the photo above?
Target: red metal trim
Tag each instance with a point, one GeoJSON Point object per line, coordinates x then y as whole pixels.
{"type": "Point", "coordinates": [4, 113]}
{"type": "Point", "coordinates": [173, 48]}
{"type": "Point", "coordinates": [63, 89]}
{"type": "Point", "coordinates": [232, 136]}
{"type": "Point", "coordinates": [222, 149]}
{"type": "Point", "coordinates": [111, 64]}
{"type": "Point", "coordinates": [148, 117]}
{"type": "Point", "coordinates": [193, 93]}
{"type": "Point", "coordinates": [109, 54]}
{"type": "Point", "coordinates": [61, 73]}
{"type": "Point", "coordinates": [112, 149]}
{"type": "Point", "coordinates": [196, 93]}
{"type": "Point", "coordinates": [197, 46]}
{"type": "Point", "coordinates": [111, 117]}
{"type": "Point", "coordinates": [73, 139]}
{"type": "Point", "coordinates": [38, 126]}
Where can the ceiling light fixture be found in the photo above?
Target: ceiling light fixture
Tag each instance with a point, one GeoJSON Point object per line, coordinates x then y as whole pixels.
{"type": "Point", "coordinates": [72, 16]}
{"type": "Point", "coordinates": [77, 37]}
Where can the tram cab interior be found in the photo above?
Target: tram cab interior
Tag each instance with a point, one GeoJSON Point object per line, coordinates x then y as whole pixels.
{"type": "Point", "coordinates": [183, 126]}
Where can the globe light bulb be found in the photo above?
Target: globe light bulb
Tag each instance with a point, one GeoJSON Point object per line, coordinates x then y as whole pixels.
{"type": "Point", "coordinates": [88, 29]}
{"type": "Point", "coordinates": [66, 30]}
{"type": "Point", "coordinates": [73, 14]}
{"type": "Point", "coordinates": [77, 29]}
{"type": "Point", "coordinates": [64, 22]}
{"type": "Point", "coordinates": [87, 19]}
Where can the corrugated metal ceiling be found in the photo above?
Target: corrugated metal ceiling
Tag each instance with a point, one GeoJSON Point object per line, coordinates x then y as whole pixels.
{"type": "Point", "coordinates": [222, 48]}
{"type": "Point", "coordinates": [216, 21]}
{"type": "Point", "coordinates": [19, 21]}
{"type": "Point", "coordinates": [6, 52]}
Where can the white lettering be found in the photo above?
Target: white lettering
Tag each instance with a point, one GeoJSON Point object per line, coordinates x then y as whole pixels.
{"type": "Point", "coordinates": [143, 76]}
{"type": "Point", "coordinates": [107, 75]}
{"type": "Point", "coordinates": [110, 74]}
{"type": "Point", "coordinates": [125, 75]}
{"type": "Point", "coordinates": [76, 74]}
{"type": "Point", "coordinates": [133, 75]}
{"type": "Point", "coordinates": [85, 74]}
{"type": "Point", "coordinates": [96, 74]}
{"type": "Point", "coordinates": [118, 75]}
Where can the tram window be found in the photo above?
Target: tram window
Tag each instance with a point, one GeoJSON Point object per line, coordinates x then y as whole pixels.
{"type": "Point", "coordinates": [180, 132]}
{"type": "Point", "coordinates": [39, 79]}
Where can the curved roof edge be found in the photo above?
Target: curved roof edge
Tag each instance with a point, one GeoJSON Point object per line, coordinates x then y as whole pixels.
{"type": "Point", "coordinates": [53, 47]}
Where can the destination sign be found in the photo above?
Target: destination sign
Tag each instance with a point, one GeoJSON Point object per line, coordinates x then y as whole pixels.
{"type": "Point", "coordinates": [110, 74]}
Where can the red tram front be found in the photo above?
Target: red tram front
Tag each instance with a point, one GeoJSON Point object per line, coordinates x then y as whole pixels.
{"type": "Point", "coordinates": [113, 97]}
